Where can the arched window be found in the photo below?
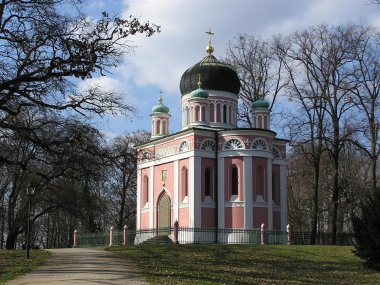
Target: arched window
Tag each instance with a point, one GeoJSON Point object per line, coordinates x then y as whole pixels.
{"type": "Point", "coordinates": [164, 131]}
{"type": "Point", "coordinates": [187, 115]}
{"type": "Point", "coordinates": [224, 114]}
{"type": "Point", "coordinates": [212, 113]}
{"type": "Point", "coordinates": [158, 127]}
{"type": "Point", "coordinates": [275, 189]}
{"type": "Point", "coordinates": [234, 181]}
{"type": "Point", "coordinates": [260, 181]}
{"type": "Point", "coordinates": [230, 114]}
{"type": "Point", "coordinates": [197, 113]}
{"type": "Point", "coordinates": [218, 112]}
{"type": "Point", "coordinates": [259, 121]}
{"type": "Point", "coordinates": [184, 182]}
{"type": "Point", "coordinates": [145, 190]}
{"type": "Point", "coordinates": [266, 122]}
{"type": "Point", "coordinates": [203, 117]}
{"type": "Point", "coordinates": [207, 182]}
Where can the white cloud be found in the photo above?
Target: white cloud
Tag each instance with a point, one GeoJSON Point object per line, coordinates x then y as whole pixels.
{"type": "Point", "coordinates": [113, 85]}
{"type": "Point", "coordinates": [161, 59]}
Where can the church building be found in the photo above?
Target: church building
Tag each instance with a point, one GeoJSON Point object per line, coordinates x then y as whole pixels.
{"type": "Point", "coordinates": [212, 174]}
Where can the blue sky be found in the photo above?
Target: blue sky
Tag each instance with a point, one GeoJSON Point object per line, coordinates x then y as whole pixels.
{"type": "Point", "coordinates": [159, 61]}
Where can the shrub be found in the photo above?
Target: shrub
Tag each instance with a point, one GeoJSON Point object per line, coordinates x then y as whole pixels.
{"type": "Point", "coordinates": [367, 231]}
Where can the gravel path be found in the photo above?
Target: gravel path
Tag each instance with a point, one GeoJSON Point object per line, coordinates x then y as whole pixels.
{"type": "Point", "coordinates": [82, 266]}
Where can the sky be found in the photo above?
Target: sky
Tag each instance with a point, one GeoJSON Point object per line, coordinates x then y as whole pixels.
{"type": "Point", "coordinates": [159, 61]}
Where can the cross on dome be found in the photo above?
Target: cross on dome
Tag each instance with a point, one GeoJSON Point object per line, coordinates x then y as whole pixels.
{"type": "Point", "coordinates": [209, 48]}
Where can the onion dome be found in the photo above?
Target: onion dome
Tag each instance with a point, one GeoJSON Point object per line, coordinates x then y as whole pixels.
{"type": "Point", "coordinates": [199, 92]}
{"type": "Point", "coordinates": [260, 104]}
{"type": "Point", "coordinates": [215, 74]}
{"type": "Point", "coordinates": [160, 108]}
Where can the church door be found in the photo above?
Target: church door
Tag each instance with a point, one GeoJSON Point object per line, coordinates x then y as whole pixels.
{"type": "Point", "coordinates": [164, 211]}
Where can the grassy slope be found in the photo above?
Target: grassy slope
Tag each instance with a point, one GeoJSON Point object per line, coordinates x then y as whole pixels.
{"type": "Point", "coordinates": [13, 262]}
{"type": "Point", "coordinates": [249, 264]}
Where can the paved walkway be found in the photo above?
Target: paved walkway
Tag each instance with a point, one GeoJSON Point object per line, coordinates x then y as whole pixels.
{"type": "Point", "coordinates": [82, 266]}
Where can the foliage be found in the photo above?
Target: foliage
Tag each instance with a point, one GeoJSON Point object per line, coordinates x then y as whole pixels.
{"type": "Point", "coordinates": [14, 263]}
{"type": "Point", "coordinates": [46, 140]}
{"type": "Point", "coordinates": [247, 264]}
{"type": "Point", "coordinates": [367, 231]}
{"type": "Point", "coordinates": [259, 70]}
{"type": "Point", "coordinates": [121, 182]}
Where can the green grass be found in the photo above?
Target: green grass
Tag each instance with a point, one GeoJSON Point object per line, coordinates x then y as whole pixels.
{"type": "Point", "coordinates": [13, 262]}
{"type": "Point", "coordinates": [249, 264]}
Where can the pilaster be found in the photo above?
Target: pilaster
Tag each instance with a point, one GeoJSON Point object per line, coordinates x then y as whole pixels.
{"type": "Point", "coordinates": [283, 197]}
{"type": "Point", "coordinates": [138, 198]}
{"type": "Point", "coordinates": [269, 189]}
{"type": "Point", "coordinates": [176, 190]}
{"type": "Point", "coordinates": [151, 197]}
{"type": "Point", "coordinates": [197, 192]}
{"type": "Point", "coordinates": [248, 210]}
{"type": "Point", "coordinates": [220, 190]}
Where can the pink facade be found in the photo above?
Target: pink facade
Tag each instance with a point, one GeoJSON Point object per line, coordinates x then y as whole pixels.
{"type": "Point", "coordinates": [212, 174]}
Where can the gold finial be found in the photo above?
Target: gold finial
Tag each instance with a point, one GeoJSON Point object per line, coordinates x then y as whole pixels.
{"type": "Point", "coordinates": [199, 81]}
{"type": "Point", "coordinates": [209, 48]}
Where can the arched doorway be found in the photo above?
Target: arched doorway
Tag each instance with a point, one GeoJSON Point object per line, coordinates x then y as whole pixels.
{"type": "Point", "coordinates": [164, 215]}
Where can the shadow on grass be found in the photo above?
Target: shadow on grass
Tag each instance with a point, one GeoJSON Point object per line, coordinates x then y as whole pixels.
{"type": "Point", "coordinates": [249, 264]}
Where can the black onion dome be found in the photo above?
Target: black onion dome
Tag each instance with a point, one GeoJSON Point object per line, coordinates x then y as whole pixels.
{"type": "Point", "coordinates": [215, 75]}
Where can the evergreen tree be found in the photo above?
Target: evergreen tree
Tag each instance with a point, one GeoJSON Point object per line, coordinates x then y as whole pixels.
{"type": "Point", "coordinates": [367, 231]}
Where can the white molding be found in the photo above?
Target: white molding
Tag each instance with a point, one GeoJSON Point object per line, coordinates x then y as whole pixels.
{"type": "Point", "coordinates": [183, 205]}
{"type": "Point", "coordinates": [283, 197]}
{"type": "Point", "coordinates": [220, 194]}
{"type": "Point", "coordinates": [197, 191]}
{"type": "Point", "coordinates": [269, 189]}
{"type": "Point", "coordinates": [138, 197]}
{"type": "Point", "coordinates": [151, 197]}
{"type": "Point", "coordinates": [176, 190]}
{"type": "Point", "coordinates": [239, 204]}
{"type": "Point", "coordinates": [208, 205]}
{"type": "Point", "coordinates": [245, 152]}
{"type": "Point", "coordinates": [191, 192]}
{"type": "Point", "coordinates": [248, 210]}
{"type": "Point", "coordinates": [144, 210]}
{"type": "Point", "coordinates": [256, 204]}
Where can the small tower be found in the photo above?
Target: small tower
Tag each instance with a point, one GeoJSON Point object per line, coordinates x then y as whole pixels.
{"type": "Point", "coordinates": [199, 106]}
{"type": "Point", "coordinates": [261, 114]}
{"type": "Point", "coordinates": [160, 120]}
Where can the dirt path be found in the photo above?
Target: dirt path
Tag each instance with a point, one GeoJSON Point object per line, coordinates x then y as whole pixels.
{"type": "Point", "coordinates": [82, 266]}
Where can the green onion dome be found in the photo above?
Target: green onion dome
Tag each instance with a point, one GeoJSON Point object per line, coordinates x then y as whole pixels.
{"type": "Point", "coordinates": [160, 108]}
{"type": "Point", "coordinates": [260, 104]}
{"type": "Point", "coordinates": [199, 92]}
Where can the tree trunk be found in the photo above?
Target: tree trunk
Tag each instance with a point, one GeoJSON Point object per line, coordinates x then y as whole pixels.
{"type": "Point", "coordinates": [11, 240]}
{"type": "Point", "coordinates": [314, 205]}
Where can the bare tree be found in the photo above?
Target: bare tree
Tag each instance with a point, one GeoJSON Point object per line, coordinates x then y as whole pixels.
{"type": "Point", "coordinates": [319, 64]}
{"type": "Point", "coordinates": [259, 70]}
{"type": "Point", "coordinates": [366, 96]}
{"type": "Point", "coordinates": [122, 186]}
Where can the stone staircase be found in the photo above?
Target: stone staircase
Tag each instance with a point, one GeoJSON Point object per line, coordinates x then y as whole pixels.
{"type": "Point", "coordinates": [161, 239]}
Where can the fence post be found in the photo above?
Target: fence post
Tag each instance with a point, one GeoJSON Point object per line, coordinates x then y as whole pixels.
{"type": "Point", "coordinates": [75, 238]}
{"type": "Point", "coordinates": [111, 236]}
{"type": "Point", "coordinates": [289, 231]}
{"type": "Point", "coordinates": [176, 224]}
{"type": "Point", "coordinates": [262, 234]}
{"type": "Point", "coordinates": [125, 242]}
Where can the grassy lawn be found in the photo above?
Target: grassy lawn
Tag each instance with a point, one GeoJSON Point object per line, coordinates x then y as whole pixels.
{"type": "Point", "coordinates": [14, 263]}
{"type": "Point", "coordinates": [248, 264]}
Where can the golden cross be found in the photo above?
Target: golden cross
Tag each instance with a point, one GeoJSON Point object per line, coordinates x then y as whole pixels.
{"type": "Point", "coordinates": [209, 34]}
